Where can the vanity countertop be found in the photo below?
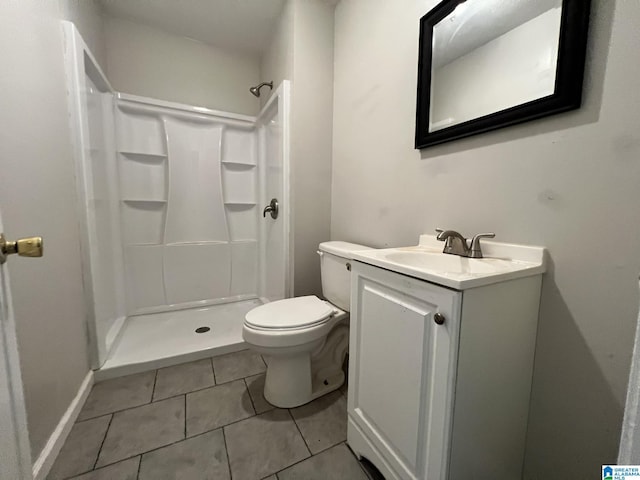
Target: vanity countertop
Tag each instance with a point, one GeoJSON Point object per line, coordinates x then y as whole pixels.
{"type": "Point", "coordinates": [501, 262]}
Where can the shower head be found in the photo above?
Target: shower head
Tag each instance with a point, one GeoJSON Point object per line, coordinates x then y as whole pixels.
{"type": "Point", "coordinates": [256, 90]}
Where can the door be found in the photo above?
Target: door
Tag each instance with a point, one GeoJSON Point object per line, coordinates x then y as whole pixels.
{"type": "Point", "coordinates": [15, 453]}
{"type": "Point", "coordinates": [276, 255]}
{"type": "Point", "coordinates": [401, 371]}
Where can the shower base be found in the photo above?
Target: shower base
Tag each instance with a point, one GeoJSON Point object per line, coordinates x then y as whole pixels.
{"type": "Point", "coordinates": [163, 339]}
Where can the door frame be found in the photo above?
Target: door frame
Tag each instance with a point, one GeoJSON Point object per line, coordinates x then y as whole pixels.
{"type": "Point", "coordinates": [15, 450]}
{"type": "Point", "coordinates": [629, 449]}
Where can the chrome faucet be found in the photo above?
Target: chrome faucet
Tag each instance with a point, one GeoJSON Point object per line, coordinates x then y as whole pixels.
{"type": "Point", "coordinates": [456, 244]}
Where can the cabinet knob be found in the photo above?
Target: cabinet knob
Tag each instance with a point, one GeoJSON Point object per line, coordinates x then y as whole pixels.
{"type": "Point", "coordinates": [349, 266]}
{"type": "Point", "coordinates": [439, 318]}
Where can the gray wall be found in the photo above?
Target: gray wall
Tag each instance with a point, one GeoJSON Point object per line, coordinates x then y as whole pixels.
{"type": "Point", "coordinates": [311, 134]}
{"type": "Point", "coordinates": [37, 197]}
{"type": "Point", "coordinates": [568, 182]}
{"type": "Point", "coordinates": [277, 61]}
{"type": "Point", "coordinates": [147, 61]}
{"type": "Point", "coordinates": [301, 50]}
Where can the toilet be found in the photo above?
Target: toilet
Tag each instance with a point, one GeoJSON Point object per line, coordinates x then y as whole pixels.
{"type": "Point", "coordinates": [305, 339]}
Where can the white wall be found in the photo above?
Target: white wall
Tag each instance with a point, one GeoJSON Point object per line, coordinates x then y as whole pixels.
{"type": "Point", "coordinates": [277, 62]}
{"type": "Point", "coordinates": [302, 50]}
{"type": "Point", "coordinates": [86, 15]}
{"type": "Point", "coordinates": [146, 61]}
{"type": "Point", "coordinates": [37, 197]}
{"type": "Point", "coordinates": [568, 182]}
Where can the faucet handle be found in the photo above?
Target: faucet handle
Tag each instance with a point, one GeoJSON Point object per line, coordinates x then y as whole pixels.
{"type": "Point", "coordinates": [439, 231]}
{"type": "Point", "coordinates": [476, 251]}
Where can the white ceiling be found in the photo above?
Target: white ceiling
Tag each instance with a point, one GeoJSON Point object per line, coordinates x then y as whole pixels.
{"type": "Point", "coordinates": [239, 25]}
{"type": "Point", "coordinates": [476, 22]}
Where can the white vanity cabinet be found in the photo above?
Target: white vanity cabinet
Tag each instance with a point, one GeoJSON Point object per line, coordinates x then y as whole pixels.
{"type": "Point", "coordinates": [439, 379]}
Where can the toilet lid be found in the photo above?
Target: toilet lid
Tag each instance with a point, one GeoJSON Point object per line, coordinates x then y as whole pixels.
{"type": "Point", "coordinates": [290, 313]}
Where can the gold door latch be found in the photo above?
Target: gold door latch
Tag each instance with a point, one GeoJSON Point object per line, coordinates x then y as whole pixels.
{"type": "Point", "coordinates": [25, 247]}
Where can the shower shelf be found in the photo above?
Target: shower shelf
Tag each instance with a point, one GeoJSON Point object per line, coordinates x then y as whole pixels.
{"type": "Point", "coordinates": [144, 157]}
{"type": "Point", "coordinates": [237, 164]}
{"type": "Point", "coordinates": [142, 200]}
{"type": "Point", "coordinates": [239, 204]}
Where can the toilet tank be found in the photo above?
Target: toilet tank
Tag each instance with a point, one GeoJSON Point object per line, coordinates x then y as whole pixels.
{"type": "Point", "coordinates": [335, 270]}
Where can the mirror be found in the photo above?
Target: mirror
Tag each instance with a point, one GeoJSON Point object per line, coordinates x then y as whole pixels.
{"type": "Point", "coordinates": [486, 64]}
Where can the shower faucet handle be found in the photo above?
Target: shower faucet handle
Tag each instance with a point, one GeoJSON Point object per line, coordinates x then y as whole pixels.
{"type": "Point", "coordinates": [272, 208]}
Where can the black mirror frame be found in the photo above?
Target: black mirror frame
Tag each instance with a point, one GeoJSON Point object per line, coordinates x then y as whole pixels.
{"type": "Point", "coordinates": [572, 48]}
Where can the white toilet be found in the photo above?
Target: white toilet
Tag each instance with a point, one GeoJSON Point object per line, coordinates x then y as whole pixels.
{"type": "Point", "coordinates": [305, 339]}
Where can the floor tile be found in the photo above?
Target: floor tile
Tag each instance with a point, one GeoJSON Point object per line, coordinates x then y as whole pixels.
{"type": "Point", "coordinates": [256, 390]}
{"type": "Point", "coordinates": [185, 378]}
{"type": "Point", "coordinates": [217, 406]}
{"type": "Point", "coordinates": [142, 429]}
{"type": "Point", "coordinates": [125, 470]}
{"type": "Point", "coordinates": [323, 422]}
{"type": "Point", "coordinates": [271, 477]}
{"type": "Point", "coordinates": [337, 463]}
{"type": "Point", "coordinates": [80, 451]}
{"type": "Point", "coordinates": [197, 458]}
{"type": "Point", "coordinates": [118, 394]}
{"type": "Point", "coordinates": [237, 365]}
{"type": "Point", "coordinates": [263, 445]}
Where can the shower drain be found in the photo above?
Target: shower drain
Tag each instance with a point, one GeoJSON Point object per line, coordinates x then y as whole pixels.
{"type": "Point", "coordinates": [202, 329]}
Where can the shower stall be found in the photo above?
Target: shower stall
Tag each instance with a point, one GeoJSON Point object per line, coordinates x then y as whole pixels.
{"type": "Point", "coordinates": [175, 246]}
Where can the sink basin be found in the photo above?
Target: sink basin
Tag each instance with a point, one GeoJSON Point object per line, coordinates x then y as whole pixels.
{"type": "Point", "coordinates": [426, 261]}
{"type": "Point", "coordinates": [452, 264]}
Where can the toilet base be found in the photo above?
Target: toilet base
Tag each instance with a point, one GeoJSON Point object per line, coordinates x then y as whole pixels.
{"type": "Point", "coordinates": [280, 391]}
{"type": "Point", "coordinates": [288, 382]}
{"type": "Point", "coordinates": [298, 375]}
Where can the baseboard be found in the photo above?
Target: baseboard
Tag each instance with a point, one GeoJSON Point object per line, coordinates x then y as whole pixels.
{"type": "Point", "coordinates": [44, 462]}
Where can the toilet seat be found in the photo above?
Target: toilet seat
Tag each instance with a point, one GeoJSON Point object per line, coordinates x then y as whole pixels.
{"type": "Point", "coordinates": [290, 314]}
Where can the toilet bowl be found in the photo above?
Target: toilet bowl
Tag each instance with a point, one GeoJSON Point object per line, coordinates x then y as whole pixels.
{"type": "Point", "coordinates": [305, 339]}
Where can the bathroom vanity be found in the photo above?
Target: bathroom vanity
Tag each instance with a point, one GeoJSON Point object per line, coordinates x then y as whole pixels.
{"type": "Point", "coordinates": [441, 359]}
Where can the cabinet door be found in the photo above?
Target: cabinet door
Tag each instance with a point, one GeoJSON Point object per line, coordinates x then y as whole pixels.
{"type": "Point", "coordinates": [402, 369]}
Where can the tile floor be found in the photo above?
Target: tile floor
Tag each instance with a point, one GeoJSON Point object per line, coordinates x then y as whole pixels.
{"type": "Point", "coordinates": [205, 420]}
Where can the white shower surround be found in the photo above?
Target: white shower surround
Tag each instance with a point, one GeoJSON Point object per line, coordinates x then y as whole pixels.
{"type": "Point", "coordinates": [170, 200]}
{"type": "Point", "coordinates": [189, 193]}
